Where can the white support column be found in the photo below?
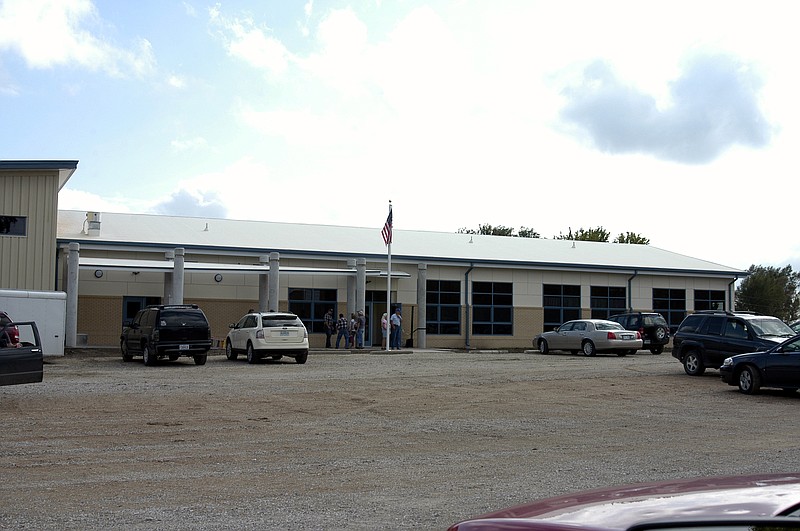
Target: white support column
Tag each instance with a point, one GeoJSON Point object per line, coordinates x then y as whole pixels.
{"type": "Point", "coordinates": [71, 320]}
{"type": "Point", "coordinates": [167, 298]}
{"type": "Point", "coordinates": [263, 285]}
{"type": "Point", "coordinates": [274, 284]}
{"type": "Point", "coordinates": [177, 277]}
{"type": "Point", "coordinates": [361, 283]}
{"type": "Point", "coordinates": [351, 290]}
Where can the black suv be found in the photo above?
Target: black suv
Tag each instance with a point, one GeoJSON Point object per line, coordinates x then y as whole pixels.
{"type": "Point", "coordinates": [652, 327]}
{"type": "Point", "coordinates": [705, 338]}
{"type": "Point", "coordinates": [167, 332]}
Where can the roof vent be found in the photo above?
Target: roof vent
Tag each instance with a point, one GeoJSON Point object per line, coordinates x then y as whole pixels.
{"type": "Point", "coordinates": [93, 223]}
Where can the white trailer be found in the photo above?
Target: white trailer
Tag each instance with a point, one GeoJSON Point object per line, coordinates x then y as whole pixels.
{"type": "Point", "coordinates": [47, 308]}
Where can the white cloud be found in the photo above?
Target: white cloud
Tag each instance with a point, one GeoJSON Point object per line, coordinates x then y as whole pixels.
{"type": "Point", "coordinates": [48, 33]}
{"type": "Point", "coordinates": [188, 144]}
{"type": "Point", "coordinates": [249, 43]}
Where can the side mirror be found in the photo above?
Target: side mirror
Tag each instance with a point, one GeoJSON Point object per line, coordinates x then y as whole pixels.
{"type": "Point", "coordinates": [231, 325]}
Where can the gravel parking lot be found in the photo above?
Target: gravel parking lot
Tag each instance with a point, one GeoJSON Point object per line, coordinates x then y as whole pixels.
{"type": "Point", "coordinates": [416, 440]}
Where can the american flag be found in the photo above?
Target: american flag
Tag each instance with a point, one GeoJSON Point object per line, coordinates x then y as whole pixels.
{"type": "Point", "coordinates": [387, 229]}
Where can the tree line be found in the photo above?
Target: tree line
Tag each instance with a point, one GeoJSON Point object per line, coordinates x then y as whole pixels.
{"type": "Point", "coordinates": [592, 234]}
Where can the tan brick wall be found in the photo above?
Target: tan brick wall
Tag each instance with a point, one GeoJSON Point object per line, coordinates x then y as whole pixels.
{"type": "Point", "coordinates": [100, 318]}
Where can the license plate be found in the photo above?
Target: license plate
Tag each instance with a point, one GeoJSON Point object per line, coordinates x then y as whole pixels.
{"type": "Point", "coordinates": [627, 336]}
{"type": "Point", "coordinates": [284, 333]}
{"type": "Point", "coordinates": [183, 347]}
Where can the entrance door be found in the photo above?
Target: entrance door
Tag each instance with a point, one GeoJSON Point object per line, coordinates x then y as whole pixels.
{"type": "Point", "coordinates": [131, 305]}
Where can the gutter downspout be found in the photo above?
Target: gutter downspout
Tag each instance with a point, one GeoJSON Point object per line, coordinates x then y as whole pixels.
{"type": "Point", "coordinates": [467, 302]}
{"type": "Point", "coordinates": [630, 297]}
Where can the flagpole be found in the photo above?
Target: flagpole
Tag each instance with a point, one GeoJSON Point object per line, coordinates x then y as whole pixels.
{"type": "Point", "coordinates": [389, 284]}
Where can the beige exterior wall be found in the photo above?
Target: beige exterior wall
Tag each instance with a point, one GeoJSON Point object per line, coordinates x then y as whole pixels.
{"type": "Point", "coordinates": [226, 301]}
{"type": "Point", "coordinates": [28, 262]}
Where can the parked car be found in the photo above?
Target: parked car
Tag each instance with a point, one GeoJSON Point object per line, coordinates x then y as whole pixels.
{"type": "Point", "coordinates": [705, 338]}
{"type": "Point", "coordinates": [795, 326]}
{"type": "Point", "coordinates": [169, 331]}
{"type": "Point", "coordinates": [272, 334]}
{"type": "Point", "coordinates": [769, 501]}
{"type": "Point", "coordinates": [11, 332]}
{"type": "Point", "coordinates": [777, 367]}
{"type": "Point", "coordinates": [21, 361]}
{"type": "Point", "coordinates": [589, 336]}
{"type": "Point", "coordinates": [651, 326]}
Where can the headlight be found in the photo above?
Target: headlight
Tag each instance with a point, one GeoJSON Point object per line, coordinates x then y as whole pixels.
{"type": "Point", "coordinates": [728, 362]}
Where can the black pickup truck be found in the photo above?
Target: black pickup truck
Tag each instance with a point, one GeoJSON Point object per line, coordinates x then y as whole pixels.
{"type": "Point", "coordinates": [21, 357]}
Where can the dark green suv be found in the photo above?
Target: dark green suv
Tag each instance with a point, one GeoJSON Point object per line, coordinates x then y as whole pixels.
{"type": "Point", "coordinates": [651, 326]}
{"type": "Point", "coordinates": [167, 332]}
{"type": "Point", "coordinates": [705, 338]}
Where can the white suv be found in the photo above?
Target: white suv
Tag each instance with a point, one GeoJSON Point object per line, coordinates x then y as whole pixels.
{"type": "Point", "coordinates": [272, 334]}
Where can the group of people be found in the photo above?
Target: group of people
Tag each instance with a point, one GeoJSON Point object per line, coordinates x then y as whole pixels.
{"type": "Point", "coordinates": [352, 330]}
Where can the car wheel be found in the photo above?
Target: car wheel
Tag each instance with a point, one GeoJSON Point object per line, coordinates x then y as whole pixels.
{"type": "Point", "coordinates": [301, 359]}
{"type": "Point", "coordinates": [229, 353]}
{"type": "Point", "coordinates": [657, 350]}
{"type": "Point", "coordinates": [693, 365]}
{"type": "Point", "coordinates": [126, 356]}
{"type": "Point", "coordinates": [251, 354]}
{"type": "Point", "coordinates": [148, 355]}
{"type": "Point", "coordinates": [543, 348]}
{"type": "Point", "coordinates": [661, 333]}
{"type": "Point", "coordinates": [589, 348]}
{"type": "Point", "coordinates": [749, 381]}
{"type": "Point", "coordinates": [200, 359]}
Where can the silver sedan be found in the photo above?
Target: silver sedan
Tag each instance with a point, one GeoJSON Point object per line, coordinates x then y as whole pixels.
{"type": "Point", "coordinates": [589, 336]}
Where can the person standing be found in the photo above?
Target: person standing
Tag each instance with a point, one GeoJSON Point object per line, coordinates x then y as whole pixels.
{"type": "Point", "coordinates": [384, 327]}
{"type": "Point", "coordinates": [342, 327]}
{"type": "Point", "coordinates": [329, 327]}
{"type": "Point", "coordinates": [353, 325]}
{"type": "Point", "coordinates": [397, 334]}
{"type": "Point", "coordinates": [361, 324]}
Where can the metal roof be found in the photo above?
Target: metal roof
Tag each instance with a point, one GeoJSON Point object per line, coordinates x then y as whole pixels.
{"type": "Point", "coordinates": [65, 167]}
{"type": "Point", "coordinates": [212, 235]}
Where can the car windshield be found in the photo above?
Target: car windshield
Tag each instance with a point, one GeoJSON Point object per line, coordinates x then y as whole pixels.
{"type": "Point", "coordinates": [770, 328]}
{"type": "Point", "coordinates": [182, 318]}
{"type": "Point", "coordinates": [653, 320]}
{"type": "Point", "coordinates": [272, 321]}
{"type": "Point", "coordinates": [607, 325]}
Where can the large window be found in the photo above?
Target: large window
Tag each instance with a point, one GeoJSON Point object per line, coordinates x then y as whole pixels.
{"type": "Point", "coordinates": [13, 226]}
{"type": "Point", "coordinates": [671, 303]}
{"type": "Point", "coordinates": [443, 307]}
{"type": "Point", "coordinates": [493, 308]}
{"type": "Point", "coordinates": [561, 303]}
{"type": "Point", "coordinates": [709, 299]}
{"type": "Point", "coordinates": [310, 306]}
{"type": "Point", "coordinates": [607, 301]}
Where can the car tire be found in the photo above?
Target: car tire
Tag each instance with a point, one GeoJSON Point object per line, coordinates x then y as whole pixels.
{"type": "Point", "coordinates": [301, 359]}
{"type": "Point", "coordinates": [543, 347]}
{"type": "Point", "coordinates": [749, 380]}
{"type": "Point", "coordinates": [252, 357]}
{"type": "Point", "coordinates": [657, 350]}
{"type": "Point", "coordinates": [126, 356]}
{"type": "Point", "coordinates": [200, 359]}
{"type": "Point", "coordinates": [588, 348]}
{"type": "Point", "coordinates": [148, 355]}
{"type": "Point", "coordinates": [660, 333]}
{"type": "Point", "coordinates": [229, 353]}
{"type": "Point", "coordinates": [693, 364]}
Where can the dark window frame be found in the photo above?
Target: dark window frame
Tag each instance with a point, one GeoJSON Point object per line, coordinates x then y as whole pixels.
{"type": "Point", "coordinates": [493, 314]}
{"type": "Point", "coordinates": [443, 307]}
{"type": "Point", "coordinates": [606, 301]}
{"type": "Point", "coordinates": [560, 303]}
{"type": "Point", "coordinates": [311, 304]}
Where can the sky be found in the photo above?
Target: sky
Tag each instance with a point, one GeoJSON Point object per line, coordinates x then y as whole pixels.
{"type": "Point", "coordinates": [676, 120]}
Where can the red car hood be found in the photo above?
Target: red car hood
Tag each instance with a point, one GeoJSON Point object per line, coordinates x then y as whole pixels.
{"type": "Point", "coordinates": [622, 507]}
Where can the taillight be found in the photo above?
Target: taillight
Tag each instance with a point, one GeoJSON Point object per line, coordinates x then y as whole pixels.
{"type": "Point", "coordinates": [639, 335]}
{"type": "Point", "coordinates": [612, 335]}
{"type": "Point", "coordinates": [641, 332]}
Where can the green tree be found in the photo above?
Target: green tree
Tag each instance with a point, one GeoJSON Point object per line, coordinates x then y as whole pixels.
{"type": "Point", "coordinates": [499, 230]}
{"type": "Point", "coordinates": [525, 232]}
{"type": "Point", "coordinates": [587, 235]}
{"type": "Point", "coordinates": [631, 237]}
{"type": "Point", "coordinates": [770, 291]}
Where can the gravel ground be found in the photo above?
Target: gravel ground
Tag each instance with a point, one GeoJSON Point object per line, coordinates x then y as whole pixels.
{"type": "Point", "coordinates": [416, 440]}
